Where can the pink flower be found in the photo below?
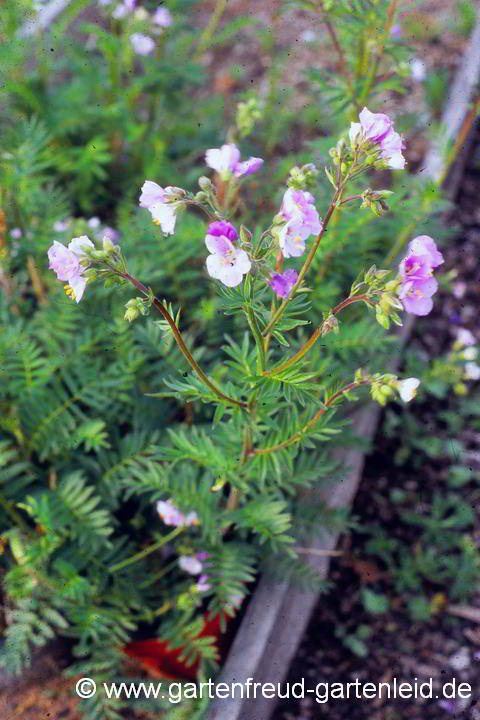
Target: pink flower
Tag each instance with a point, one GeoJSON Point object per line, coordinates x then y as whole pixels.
{"type": "Point", "coordinates": [161, 203]}
{"type": "Point", "coordinates": [173, 516]}
{"type": "Point", "coordinates": [162, 17]}
{"type": "Point", "coordinates": [282, 284]}
{"type": "Point", "coordinates": [202, 585]}
{"type": "Point", "coordinates": [226, 263]}
{"type": "Point", "coordinates": [378, 129]}
{"type": "Point", "coordinates": [375, 126]}
{"type": "Point", "coordinates": [416, 267]}
{"type": "Point", "coordinates": [416, 295]}
{"type": "Point", "coordinates": [226, 161]}
{"type": "Point", "coordinates": [248, 166]}
{"type": "Point", "coordinates": [16, 233]}
{"type": "Point", "coordinates": [223, 160]}
{"type": "Point", "coordinates": [416, 273]}
{"type": "Point", "coordinates": [142, 44]}
{"type": "Point", "coordinates": [425, 245]}
{"type": "Point", "coordinates": [222, 227]}
{"type": "Point", "coordinates": [302, 220]}
{"type": "Point", "coordinates": [61, 225]}
{"type": "Point", "coordinates": [65, 262]}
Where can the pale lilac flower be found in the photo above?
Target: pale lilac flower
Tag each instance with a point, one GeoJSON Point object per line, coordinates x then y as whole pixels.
{"type": "Point", "coordinates": [190, 564]}
{"type": "Point", "coordinates": [378, 129]}
{"type": "Point", "coordinates": [391, 150]}
{"type": "Point", "coordinates": [161, 203]}
{"type": "Point", "coordinates": [226, 263]}
{"type": "Point", "coordinates": [202, 555]}
{"type": "Point", "coordinates": [418, 70]}
{"type": "Point", "coordinates": [416, 295]}
{"type": "Point", "coordinates": [16, 233]}
{"type": "Point", "coordinates": [142, 44]}
{"type": "Point", "coordinates": [375, 126]}
{"type": "Point", "coordinates": [223, 160]}
{"type": "Point", "coordinates": [173, 516]}
{"type": "Point", "coordinates": [302, 220]}
{"type": "Point", "coordinates": [282, 284]}
{"type": "Point", "coordinates": [465, 338]}
{"type": "Point", "coordinates": [248, 166]}
{"type": "Point", "coordinates": [162, 17]}
{"type": "Point", "coordinates": [124, 9]}
{"type": "Point", "coordinates": [226, 161]}
{"type": "Point", "coordinates": [459, 289]}
{"type": "Point", "coordinates": [65, 262]}
{"type": "Point", "coordinates": [202, 585]}
{"type": "Point", "coordinates": [396, 30]}
{"type": "Point", "coordinates": [472, 371]}
{"type": "Point", "coordinates": [94, 223]}
{"type": "Point", "coordinates": [407, 389]}
{"type": "Point", "coordinates": [110, 233]}
{"type": "Point", "coordinates": [61, 225]}
{"type": "Point", "coordinates": [222, 227]}
{"type": "Point", "coordinates": [425, 245]}
{"type": "Point", "coordinates": [416, 267]}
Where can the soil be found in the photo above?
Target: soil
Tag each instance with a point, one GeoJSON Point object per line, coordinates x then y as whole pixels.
{"type": "Point", "coordinates": [447, 646]}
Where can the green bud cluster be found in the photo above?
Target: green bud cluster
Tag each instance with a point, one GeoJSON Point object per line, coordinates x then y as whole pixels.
{"type": "Point", "coordinates": [135, 307]}
{"type": "Point", "coordinates": [247, 114]}
{"type": "Point", "coordinates": [302, 178]}
{"type": "Point", "coordinates": [375, 200]}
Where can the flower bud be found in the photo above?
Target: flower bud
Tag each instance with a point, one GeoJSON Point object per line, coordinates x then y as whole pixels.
{"type": "Point", "coordinates": [205, 183]}
{"type": "Point", "coordinates": [201, 196]}
{"type": "Point", "coordinates": [108, 245]}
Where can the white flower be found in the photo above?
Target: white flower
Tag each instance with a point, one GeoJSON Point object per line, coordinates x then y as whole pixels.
{"type": "Point", "coordinates": [472, 371]}
{"type": "Point", "coordinates": [407, 389]}
{"type": "Point", "coordinates": [93, 223]}
{"type": "Point", "coordinates": [418, 70]}
{"type": "Point", "coordinates": [161, 204]}
{"type": "Point", "coordinates": [226, 263]}
{"type": "Point", "coordinates": [465, 337]}
{"type": "Point", "coordinates": [190, 564]}
{"type": "Point", "coordinates": [469, 354]}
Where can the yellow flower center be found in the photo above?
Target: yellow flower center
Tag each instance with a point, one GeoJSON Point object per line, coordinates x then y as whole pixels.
{"type": "Point", "coordinates": [69, 291]}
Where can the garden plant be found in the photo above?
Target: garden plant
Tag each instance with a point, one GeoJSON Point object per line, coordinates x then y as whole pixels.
{"type": "Point", "coordinates": [171, 384]}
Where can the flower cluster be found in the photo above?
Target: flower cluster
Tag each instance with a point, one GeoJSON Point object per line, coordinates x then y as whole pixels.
{"type": "Point", "coordinates": [416, 275]}
{"type": "Point", "coordinates": [66, 262]}
{"type": "Point", "coordinates": [377, 129]}
{"type": "Point", "coordinates": [226, 162]}
{"type": "Point", "coordinates": [299, 219]}
{"type": "Point", "coordinates": [142, 44]}
{"type": "Point", "coordinates": [193, 564]}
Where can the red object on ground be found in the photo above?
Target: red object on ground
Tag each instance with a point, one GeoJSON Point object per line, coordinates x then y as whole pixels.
{"type": "Point", "coordinates": [158, 660]}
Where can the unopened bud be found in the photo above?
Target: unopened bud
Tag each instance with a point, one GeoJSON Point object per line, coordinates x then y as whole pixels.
{"type": "Point", "coordinates": [205, 183]}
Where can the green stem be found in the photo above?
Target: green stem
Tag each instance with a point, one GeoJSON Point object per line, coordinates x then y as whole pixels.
{"type": "Point", "coordinates": [207, 35]}
{"type": "Point", "coordinates": [313, 339]}
{"type": "Point", "coordinates": [181, 344]}
{"type": "Point", "coordinates": [298, 435]}
{"type": "Point", "coordinates": [281, 309]}
{"type": "Point", "coordinates": [147, 551]}
{"type": "Point", "coordinates": [252, 321]}
{"type": "Point", "coordinates": [14, 515]}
